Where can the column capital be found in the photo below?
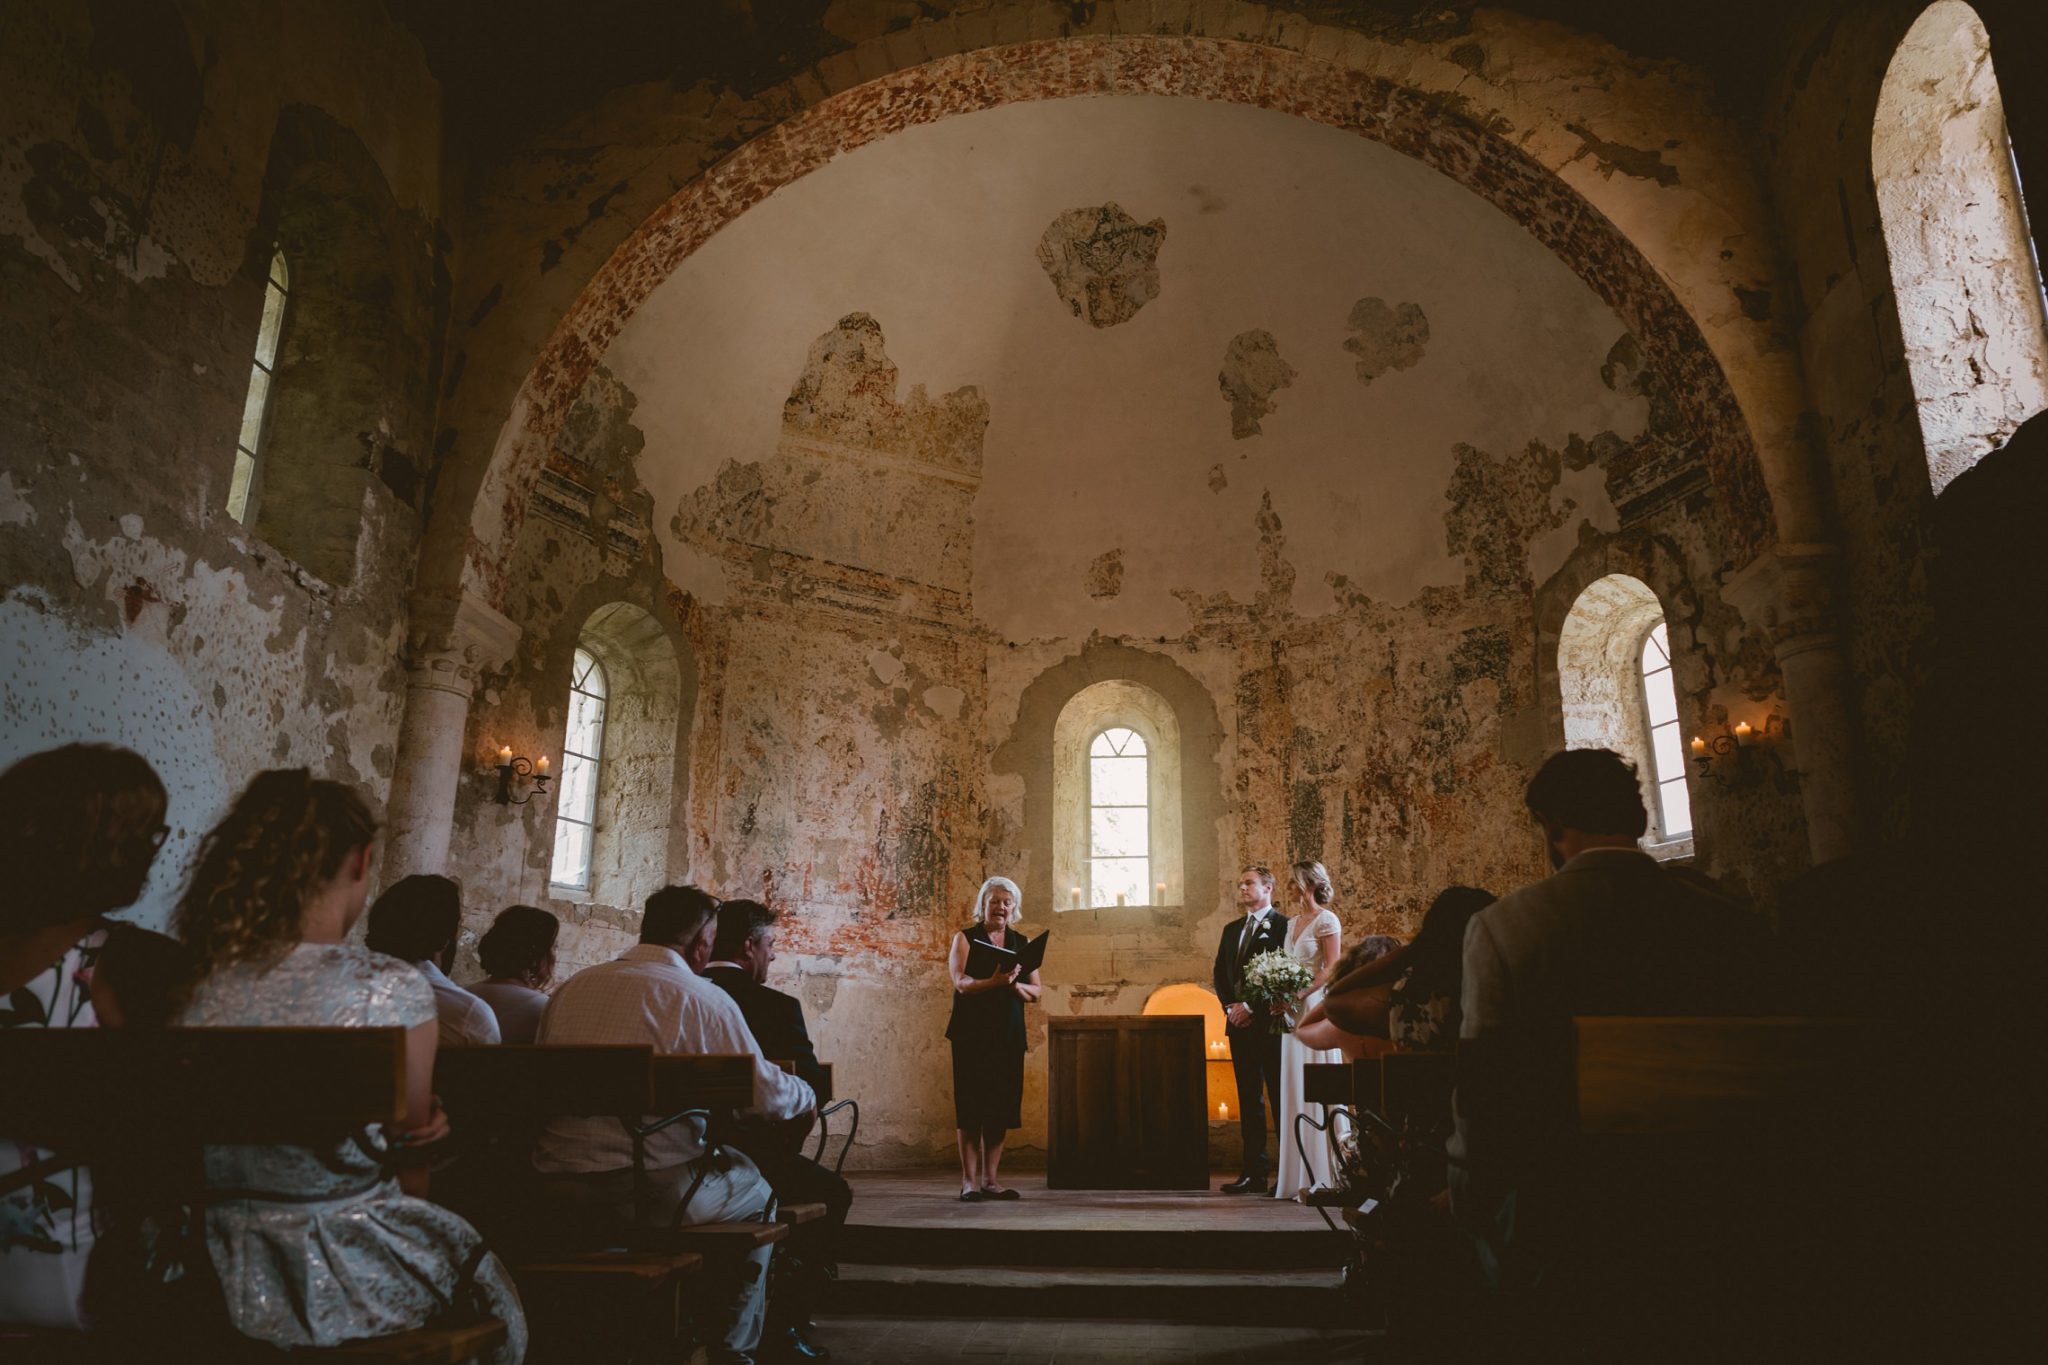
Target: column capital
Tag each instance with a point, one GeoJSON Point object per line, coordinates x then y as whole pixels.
{"type": "Point", "coordinates": [1788, 593]}
{"type": "Point", "coordinates": [453, 640]}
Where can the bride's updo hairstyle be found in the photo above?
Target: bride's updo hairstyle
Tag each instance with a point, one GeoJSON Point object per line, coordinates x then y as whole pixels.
{"type": "Point", "coordinates": [1311, 877]}
{"type": "Point", "coordinates": [283, 840]}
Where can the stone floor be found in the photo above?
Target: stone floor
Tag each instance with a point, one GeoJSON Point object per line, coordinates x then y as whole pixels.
{"type": "Point", "coordinates": [930, 1199]}
{"type": "Point", "coordinates": [916, 1341]}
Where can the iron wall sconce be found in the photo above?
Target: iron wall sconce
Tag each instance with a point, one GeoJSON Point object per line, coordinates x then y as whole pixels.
{"type": "Point", "coordinates": [512, 769]}
{"type": "Point", "coordinates": [1729, 752]}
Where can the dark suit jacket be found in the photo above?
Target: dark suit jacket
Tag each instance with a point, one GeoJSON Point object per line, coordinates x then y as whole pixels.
{"type": "Point", "coordinates": [776, 1020]}
{"type": "Point", "coordinates": [1272, 934]}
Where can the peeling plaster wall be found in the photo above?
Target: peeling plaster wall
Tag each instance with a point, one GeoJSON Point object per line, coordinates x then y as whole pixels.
{"type": "Point", "coordinates": [132, 246]}
{"type": "Point", "coordinates": [887, 596]}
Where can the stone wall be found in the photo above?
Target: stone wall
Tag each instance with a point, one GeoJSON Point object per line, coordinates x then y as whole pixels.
{"type": "Point", "coordinates": [135, 230]}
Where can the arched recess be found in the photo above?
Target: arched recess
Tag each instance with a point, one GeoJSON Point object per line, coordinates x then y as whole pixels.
{"type": "Point", "coordinates": [1603, 703]}
{"type": "Point", "coordinates": [1088, 714]}
{"type": "Point", "coordinates": [1963, 266]}
{"type": "Point", "coordinates": [1187, 997]}
{"type": "Point", "coordinates": [352, 390]}
{"type": "Point", "coordinates": [1407, 120]}
{"type": "Point", "coordinates": [642, 774]}
{"type": "Point", "coordinates": [1146, 687]}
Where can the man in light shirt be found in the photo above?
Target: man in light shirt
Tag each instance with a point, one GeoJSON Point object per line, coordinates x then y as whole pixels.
{"type": "Point", "coordinates": [651, 996]}
{"type": "Point", "coordinates": [416, 920]}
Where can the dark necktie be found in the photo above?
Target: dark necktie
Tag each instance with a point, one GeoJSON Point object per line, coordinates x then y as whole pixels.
{"type": "Point", "coordinates": [1244, 942]}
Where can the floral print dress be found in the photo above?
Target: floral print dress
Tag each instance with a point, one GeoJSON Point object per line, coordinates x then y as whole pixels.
{"type": "Point", "coordinates": [336, 1251]}
{"type": "Point", "coordinates": [48, 1228]}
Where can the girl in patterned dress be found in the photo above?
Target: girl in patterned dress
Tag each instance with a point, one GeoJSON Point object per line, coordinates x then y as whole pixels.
{"type": "Point", "coordinates": [321, 1245]}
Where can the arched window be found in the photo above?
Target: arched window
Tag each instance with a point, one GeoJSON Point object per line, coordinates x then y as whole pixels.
{"type": "Point", "coordinates": [582, 759]}
{"type": "Point", "coordinates": [1619, 692]}
{"type": "Point", "coordinates": [1673, 811]}
{"type": "Point", "coordinates": [277, 292]}
{"type": "Point", "coordinates": [1963, 265]}
{"type": "Point", "coordinates": [1116, 799]}
{"type": "Point", "coordinates": [1119, 819]}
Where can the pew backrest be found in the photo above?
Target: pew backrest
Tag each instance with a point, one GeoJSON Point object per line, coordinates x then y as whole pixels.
{"type": "Point", "coordinates": [715, 1081]}
{"type": "Point", "coordinates": [532, 1081]}
{"type": "Point", "coordinates": [1722, 1075]}
{"type": "Point", "coordinates": [66, 1087]}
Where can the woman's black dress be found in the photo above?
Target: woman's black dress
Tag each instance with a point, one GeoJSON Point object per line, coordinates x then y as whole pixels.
{"type": "Point", "coordinates": [987, 1032]}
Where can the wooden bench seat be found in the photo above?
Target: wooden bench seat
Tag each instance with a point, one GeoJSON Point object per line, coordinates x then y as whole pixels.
{"type": "Point", "coordinates": [798, 1214]}
{"type": "Point", "coordinates": [726, 1239]}
{"type": "Point", "coordinates": [421, 1346]}
{"type": "Point", "coordinates": [652, 1266]}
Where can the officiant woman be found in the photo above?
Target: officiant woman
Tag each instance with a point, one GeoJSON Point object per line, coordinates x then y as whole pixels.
{"type": "Point", "coordinates": [987, 1033]}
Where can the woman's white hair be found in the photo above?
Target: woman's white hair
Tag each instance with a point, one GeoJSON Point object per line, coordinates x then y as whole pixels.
{"type": "Point", "coordinates": [993, 884]}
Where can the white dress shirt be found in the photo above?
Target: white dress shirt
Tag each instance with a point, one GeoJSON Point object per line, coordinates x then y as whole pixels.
{"type": "Point", "coordinates": [650, 996]}
{"type": "Point", "coordinates": [465, 1020]}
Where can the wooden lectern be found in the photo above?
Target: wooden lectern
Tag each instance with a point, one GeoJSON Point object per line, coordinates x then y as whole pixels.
{"type": "Point", "coordinates": [1128, 1096]}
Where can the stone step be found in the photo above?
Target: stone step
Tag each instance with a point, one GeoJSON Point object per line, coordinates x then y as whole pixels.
{"type": "Point", "coordinates": [991, 1242]}
{"type": "Point", "coordinates": [1265, 1297]}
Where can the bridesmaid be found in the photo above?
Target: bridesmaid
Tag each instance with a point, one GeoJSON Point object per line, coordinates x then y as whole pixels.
{"type": "Point", "coordinates": [1314, 936]}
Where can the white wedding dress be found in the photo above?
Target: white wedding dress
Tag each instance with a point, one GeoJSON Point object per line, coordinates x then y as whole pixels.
{"type": "Point", "coordinates": [1304, 940]}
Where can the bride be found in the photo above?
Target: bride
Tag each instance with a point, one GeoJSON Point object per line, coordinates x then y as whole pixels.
{"type": "Point", "coordinates": [1314, 936]}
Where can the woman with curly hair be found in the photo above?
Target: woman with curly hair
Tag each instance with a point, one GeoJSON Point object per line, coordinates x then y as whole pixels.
{"type": "Point", "coordinates": [79, 827]}
{"type": "Point", "coordinates": [316, 1246]}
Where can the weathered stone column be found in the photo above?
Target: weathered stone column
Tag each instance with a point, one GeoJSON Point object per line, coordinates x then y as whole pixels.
{"type": "Point", "coordinates": [1789, 593]}
{"type": "Point", "coordinates": [452, 642]}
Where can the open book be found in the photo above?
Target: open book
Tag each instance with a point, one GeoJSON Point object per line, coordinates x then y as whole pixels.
{"type": "Point", "coordinates": [985, 959]}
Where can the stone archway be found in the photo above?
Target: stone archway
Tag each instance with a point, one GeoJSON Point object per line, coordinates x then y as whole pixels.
{"type": "Point", "coordinates": [1417, 124]}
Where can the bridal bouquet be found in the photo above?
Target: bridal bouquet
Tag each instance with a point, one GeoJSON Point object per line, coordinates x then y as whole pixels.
{"type": "Point", "coordinates": [1276, 978]}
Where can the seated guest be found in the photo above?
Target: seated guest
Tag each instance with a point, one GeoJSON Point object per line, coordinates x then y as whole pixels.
{"type": "Point", "coordinates": [651, 996]}
{"type": "Point", "coordinates": [319, 1245]}
{"type": "Point", "coordinates": [79, 827]}
{"type": "Point", "coordinates": [416, 920]}
{"type": "Point", "coordinates": [740, 956]}
{"type": "Point", "coordinates": [518, 951]}
{"type": "Point", "coordinates": [1610, 933]}
{"type": "Point", "coordinates": [1362, 974]}
{"type": "Point", "coordinates": [1407, 1000]}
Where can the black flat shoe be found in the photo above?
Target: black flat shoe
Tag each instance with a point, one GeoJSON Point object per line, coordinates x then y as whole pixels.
{"type": "Point", "coordinates": [991, 1192]}
{"type": "Point", "coordinates": [1245, 1184]}
{"type": "Point", "coordinates": [971, 1196]}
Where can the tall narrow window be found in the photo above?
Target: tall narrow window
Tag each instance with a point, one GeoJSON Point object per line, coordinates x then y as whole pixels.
{"type": "Point", "coordinates": [1667, 754]}
{"type": "Point", "coordinates": [249, 444]}
{"type": "Point", "coordinates": [1119, 820]}
{"type": "Point", "coordinates": [582, 754]}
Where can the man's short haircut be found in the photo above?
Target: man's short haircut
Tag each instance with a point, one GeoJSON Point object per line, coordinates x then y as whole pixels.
{"type": "Point", "coordinates": [1259, 870]}
{"type": "Point", "coordinates": [415, 917]}
{"type": "Point", "coordinates": [677, 914]}
{"type": "Point", "coordinates": [1594, 791]}
{"type": "Point", "coordinates": [738, 923]}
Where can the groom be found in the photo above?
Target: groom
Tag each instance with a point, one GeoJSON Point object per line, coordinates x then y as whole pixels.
{"type": "Point", "coordinates": [1254, 1046]}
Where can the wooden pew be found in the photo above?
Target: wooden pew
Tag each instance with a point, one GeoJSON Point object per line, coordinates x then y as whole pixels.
{"type": "Point", "coordinates": [1708, 1182]}
{"type": "Point", "coordinates": [137, 1105]}
{"type": "Point", "coordinates": [586, 1301]}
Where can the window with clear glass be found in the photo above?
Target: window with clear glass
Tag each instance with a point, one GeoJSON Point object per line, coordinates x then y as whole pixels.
{"type": "Point", "coordinates": [1119, 819]}
{"type": "Point", "coordinates": [582, 755]}
{"type": "Point", "coordinates": [1667, 752]}
{"type": "Point", "coordinates": [262, 374]}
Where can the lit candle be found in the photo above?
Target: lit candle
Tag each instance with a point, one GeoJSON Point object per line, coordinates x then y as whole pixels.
{"type": "Point", "coordinates": [1119, 898]}
{"type": "Point", "coordinates": [1159, 896]}
{"type": "Point", "coordinates": [1742, 731]}
{"type": "Point", "coordinates": [1222, 1110]}
{"type": "Point", "coordinates": [1077, 897]}
{"type": "Point", "coordinates": [1699, 746]}
{"type": "Point", "coordinates": [504, 753]}
{"type": "Point", "coordinates": [541, 764]}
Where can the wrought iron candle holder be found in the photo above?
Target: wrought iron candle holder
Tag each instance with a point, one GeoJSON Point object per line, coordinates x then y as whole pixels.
{"type": "Point", "coordinates": [513, 770]}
